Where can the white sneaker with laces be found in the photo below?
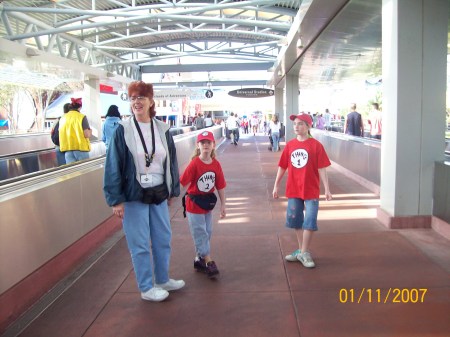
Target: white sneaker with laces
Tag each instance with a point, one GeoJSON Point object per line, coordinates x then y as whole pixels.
{"type": "Point", "coordinates": [306, 259]}
{"type": "Point", "coordinates": [171, 285]}
{"type": "Point", "coordinates": [293, 256]}
{"type": "Point", "coordinates": [155, 294]}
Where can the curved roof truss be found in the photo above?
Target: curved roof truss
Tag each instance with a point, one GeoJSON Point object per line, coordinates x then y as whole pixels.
{"type": "Point", "coordinates": [122, 35]}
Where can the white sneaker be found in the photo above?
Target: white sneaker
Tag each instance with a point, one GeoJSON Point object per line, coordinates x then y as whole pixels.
{"type": "Point", "coordinates": [306, 259]}
{"type": "Point", "coordinates": [293, 256]}
{"type": "Point", "coordinates": [171, 285]}
{"type": "Point", "coordinates": [155, 294]}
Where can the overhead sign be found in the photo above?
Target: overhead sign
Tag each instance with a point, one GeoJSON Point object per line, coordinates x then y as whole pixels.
{"type": "Point", "coordinates": [251, 93]}
{"type": "Point", "coordinates": [172, 94]}
{"type": "Point", "coordinates": [209, 93]}
{"type": "Point", "coordinates": [124, 96]}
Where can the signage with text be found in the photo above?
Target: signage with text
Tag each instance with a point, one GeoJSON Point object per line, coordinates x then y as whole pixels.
{"type": "Point", "coordinates": [251, 93]}
{"type": "Point", "coordinates": [172, 94]}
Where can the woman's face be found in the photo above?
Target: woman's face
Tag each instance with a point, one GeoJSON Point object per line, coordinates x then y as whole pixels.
{"type": "Point", "coordinates": [140, 105]}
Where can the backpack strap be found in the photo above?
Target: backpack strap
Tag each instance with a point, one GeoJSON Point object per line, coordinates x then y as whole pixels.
{"type": "Point", "coordinates": [183, 203]}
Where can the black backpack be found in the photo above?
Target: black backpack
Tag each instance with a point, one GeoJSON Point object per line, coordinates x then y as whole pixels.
{"type": "Point", "coordinates": [55, 134]}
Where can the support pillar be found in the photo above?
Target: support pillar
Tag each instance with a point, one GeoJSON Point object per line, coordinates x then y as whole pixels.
{"type": "Point", "coordinates": [92, 106]}
{"type": "Point", "coordinates": [292, 106]}
{"type": "Point", "coordinates": [414, 37]}
{"type": "Point", "coordinates": [279, 105]}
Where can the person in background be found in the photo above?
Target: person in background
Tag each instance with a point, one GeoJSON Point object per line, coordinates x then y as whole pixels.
{"type": "Point", "coordinates": [264, 125]}
{"type": "Point", "coordinates": [74, 133]}
{"type": "Point", "coordinates": [223, 124]}
{"type": "Point", "coordinates": [353, 124]}
{"type": "Point", "coordinates": [199, 121]}
{"type": "Point", "coordinates": [328, 119]}
{"type": "Point", "coordinates": [203, 175]}
{"type": "Point", "coordinates": [141, 176]}
{"type": "Point", "coordinates": [305, 160]}
{"type": "Point", "coordinates": [208, 121]}
{"type": "Point", "coordinates": [111, 122]}
{"type": "Point", "coordinates": [274, 127]}
{"type": "Point", "coordinates": [375, 122]}
{"type": "Point", "coordinates": [254, 123]}
{"type": "Point", "coordinates": [320, 122]}
{"type": "Point", "coordinates": [314, 118]}
{"type": "Point", "coordinates": [233, 127]}
{"type": "Point", "coordinates": [60, 156]}
{"type": "Point", "coordinates": [245, 124]}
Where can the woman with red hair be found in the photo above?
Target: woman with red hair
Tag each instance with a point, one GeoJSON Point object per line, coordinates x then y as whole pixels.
{"type": "Point", "coordinates": [141, 176]}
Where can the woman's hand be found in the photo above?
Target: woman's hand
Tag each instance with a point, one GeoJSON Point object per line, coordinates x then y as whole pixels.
{"type": "Point", "coordinates": [119, 210]}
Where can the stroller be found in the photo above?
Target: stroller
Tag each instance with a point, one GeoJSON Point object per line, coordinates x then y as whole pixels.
{"type": "Point", "coordinates": [271, 141]}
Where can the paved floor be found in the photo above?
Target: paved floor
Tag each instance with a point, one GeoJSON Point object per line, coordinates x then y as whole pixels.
{"type": "Point", "coordinates": [369, 281]}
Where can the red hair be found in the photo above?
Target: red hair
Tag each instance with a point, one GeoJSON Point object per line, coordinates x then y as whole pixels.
{"type": "Point", "coordinates": [140, 88]}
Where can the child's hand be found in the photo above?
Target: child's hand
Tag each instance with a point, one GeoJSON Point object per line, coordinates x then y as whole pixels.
{"type": "Point", "coordinates": [222, 212]}
{"type": "Point", "coordinates": [275, 192]}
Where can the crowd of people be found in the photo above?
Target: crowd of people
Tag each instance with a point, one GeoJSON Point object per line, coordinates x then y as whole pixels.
{"type": "Point", "coordinates": [71, 133]}
{"type": "Point", "coordinates": [351, 123]}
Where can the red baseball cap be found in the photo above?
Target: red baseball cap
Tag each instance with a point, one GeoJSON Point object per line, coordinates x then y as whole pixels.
{"type": "Point", "coordinates": [205, 135]}
{"type": "Point", "coordinates": [303, 117]}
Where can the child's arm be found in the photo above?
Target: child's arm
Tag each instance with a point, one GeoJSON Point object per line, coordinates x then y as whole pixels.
{"type": "Point", "coordinates": [324, 178]}
{"type": "Point", "coordinates": [280, 174]}
{"type": "Point", "coordinates": [222, 202]}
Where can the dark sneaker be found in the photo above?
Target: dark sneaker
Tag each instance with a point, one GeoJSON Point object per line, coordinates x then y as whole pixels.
{"type": "Point", "coordinates": [200, 264]}
{"type": "Point", "coordinates": [211, 269]}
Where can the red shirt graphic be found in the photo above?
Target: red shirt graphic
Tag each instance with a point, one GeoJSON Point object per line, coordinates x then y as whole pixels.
{"type": "Point", "coordinates": [303, 159]}
{"type": "Point", "coordinates": [202, 178]}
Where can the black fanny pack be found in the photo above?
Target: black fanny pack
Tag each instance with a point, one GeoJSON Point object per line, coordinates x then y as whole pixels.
{"type": "Point", "coordinates": [204, 201]}
{"type": "Point", "coordinates": [155, 195]}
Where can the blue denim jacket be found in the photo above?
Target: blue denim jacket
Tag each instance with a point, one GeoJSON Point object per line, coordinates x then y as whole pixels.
{"type": "Point", "coordinates": [108, 128]}
{"type": "Point", "coordinates": [120, 182]}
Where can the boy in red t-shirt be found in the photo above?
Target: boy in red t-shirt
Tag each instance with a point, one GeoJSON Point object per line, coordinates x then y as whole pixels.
{"type": "Point", "coordinates": [306, 160]}
{"type": "Point", "coordinates": [203, 175]}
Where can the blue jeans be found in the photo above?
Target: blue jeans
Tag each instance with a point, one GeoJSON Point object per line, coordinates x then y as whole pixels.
{"type": "Point", "coordinates": [276, 141]}
{"type": "Point", "coordinates": [60, 156]}
{"type": "Point", "coordinates": [72, 156]}
{"type": "Point", "coordinates": [201, 230]}
{"type": "Point", "coordinates": [234, 135]}
{"type": "Point", "coordinates": [147, 227]}
{"type": "Point", "coordinates": [295, 217]}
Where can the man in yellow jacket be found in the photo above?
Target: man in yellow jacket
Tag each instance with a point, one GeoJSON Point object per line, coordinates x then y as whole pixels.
{"type": "Point", "coordinates": [74, 133]}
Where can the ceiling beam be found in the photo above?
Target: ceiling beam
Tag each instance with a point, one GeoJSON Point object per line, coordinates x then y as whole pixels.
{"type": "Point", "coordinates": [210, 84]}
{"type": "Point", "coordinates": [181, 68]}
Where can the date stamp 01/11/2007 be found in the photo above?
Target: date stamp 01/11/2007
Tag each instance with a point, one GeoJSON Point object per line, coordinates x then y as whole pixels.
{"type": "Point", "coordinates": [378, 295]}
